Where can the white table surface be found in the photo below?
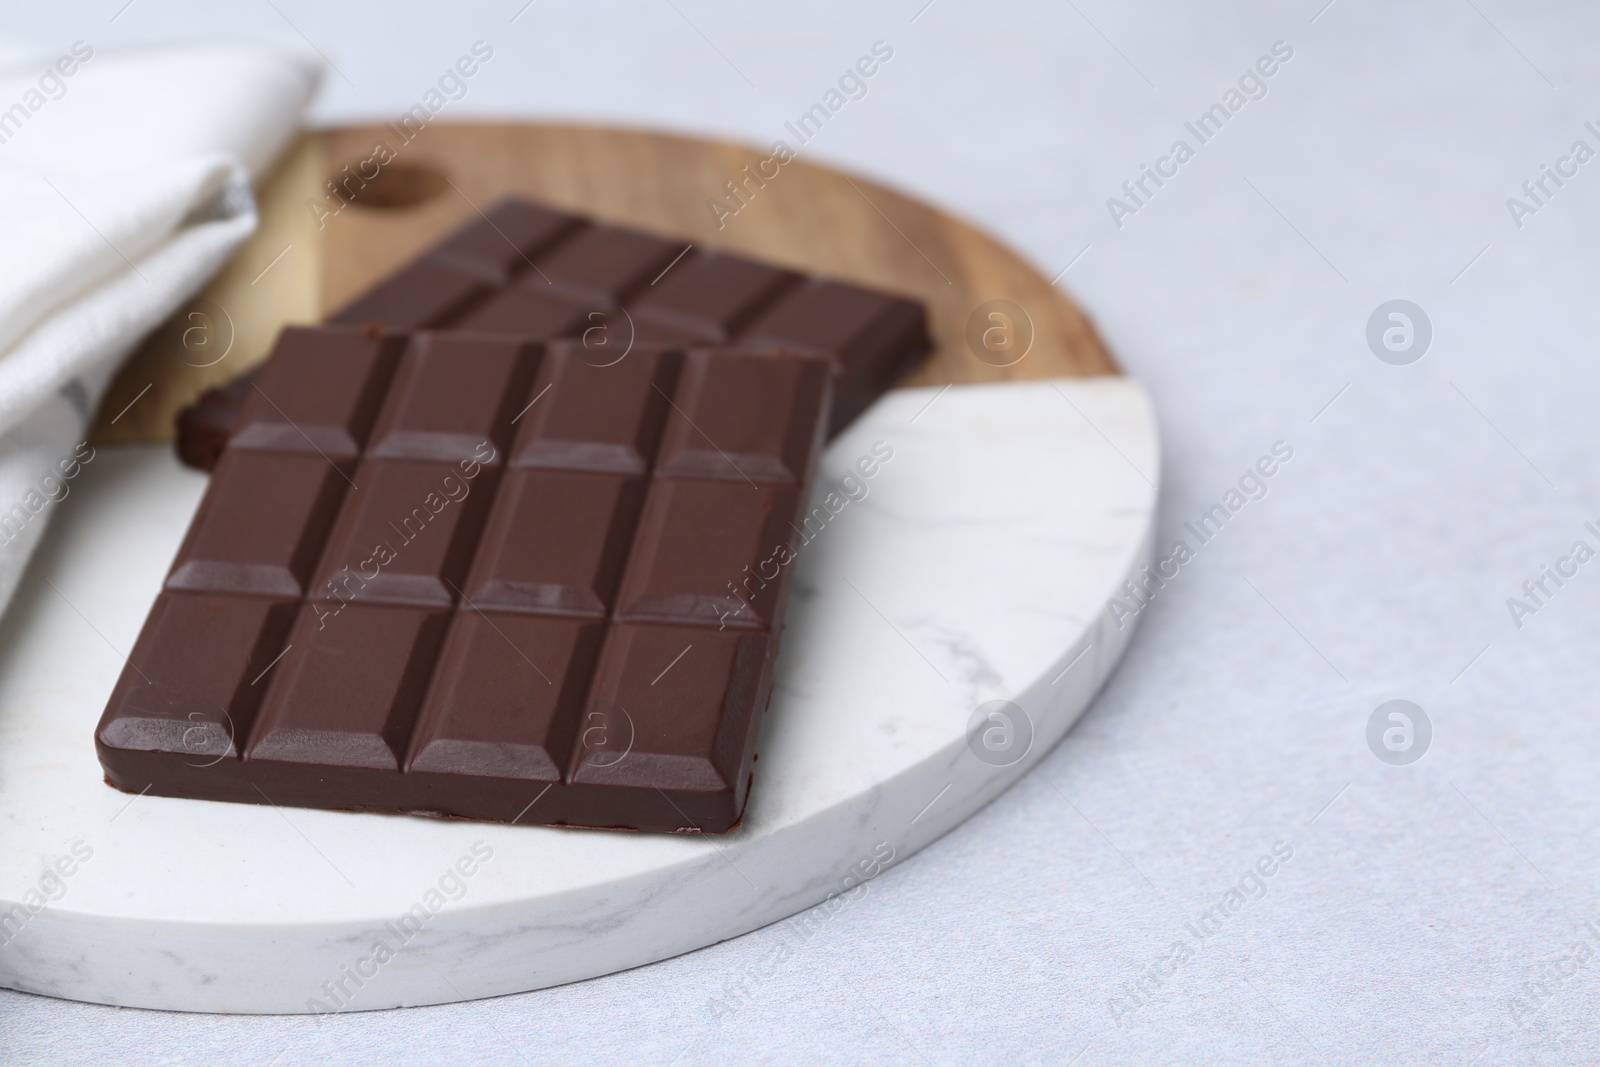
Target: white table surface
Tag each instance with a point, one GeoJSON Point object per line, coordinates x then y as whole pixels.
{"type": "Point", "coordinates": [1429, 913]}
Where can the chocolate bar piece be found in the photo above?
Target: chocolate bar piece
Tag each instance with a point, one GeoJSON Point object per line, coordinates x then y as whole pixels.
{"type": "Point", "coordinates": [540, 274]}
{"type": "Point", "coordinates": [205, 425]}
{"type": "Point", "coordinates": [483, 577]}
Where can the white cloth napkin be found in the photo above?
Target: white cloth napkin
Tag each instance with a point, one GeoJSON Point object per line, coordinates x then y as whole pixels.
{"type": "Point", "coordinates": [124, 185]}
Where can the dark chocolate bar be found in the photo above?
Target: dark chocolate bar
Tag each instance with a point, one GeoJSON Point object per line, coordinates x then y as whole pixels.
{"type": "Point", "coordinates": [484, 577]}
{"type": "Point", "coordinates": [204, 427]}
{"type": "Point", "coordinates": [540, 274]}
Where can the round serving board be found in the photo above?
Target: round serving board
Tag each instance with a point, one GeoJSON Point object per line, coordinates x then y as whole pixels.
{"type": "Point", "coordinates": [944, 632]}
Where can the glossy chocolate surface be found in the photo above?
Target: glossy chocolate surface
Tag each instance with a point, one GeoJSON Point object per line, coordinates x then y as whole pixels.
{"type": "Point", "coordinates": [529, 271]}
{"type": "Point", "coordinates": [483, 577]}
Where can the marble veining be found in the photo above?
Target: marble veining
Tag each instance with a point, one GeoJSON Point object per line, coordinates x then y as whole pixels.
{"type": "Point", "coordinates": [964, 575]}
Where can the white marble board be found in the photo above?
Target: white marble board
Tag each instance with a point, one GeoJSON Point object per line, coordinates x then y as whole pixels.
{"type": "Point", "coordinates": [977, 568]}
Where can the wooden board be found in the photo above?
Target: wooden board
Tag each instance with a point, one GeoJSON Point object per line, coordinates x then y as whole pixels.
{"type": "Point", "coordinates": [314, 250]}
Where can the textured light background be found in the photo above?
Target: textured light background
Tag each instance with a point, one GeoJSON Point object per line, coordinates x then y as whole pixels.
{"type": "Point", "coordinates": [1430, 913]}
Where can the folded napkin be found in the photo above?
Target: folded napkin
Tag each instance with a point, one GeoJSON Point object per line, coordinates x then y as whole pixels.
{"type": "Point", "coordinates": [125, 179]}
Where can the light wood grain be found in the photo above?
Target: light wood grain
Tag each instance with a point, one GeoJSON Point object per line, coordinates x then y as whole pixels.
{"type": "Point", "coordinates": [807, 216]}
